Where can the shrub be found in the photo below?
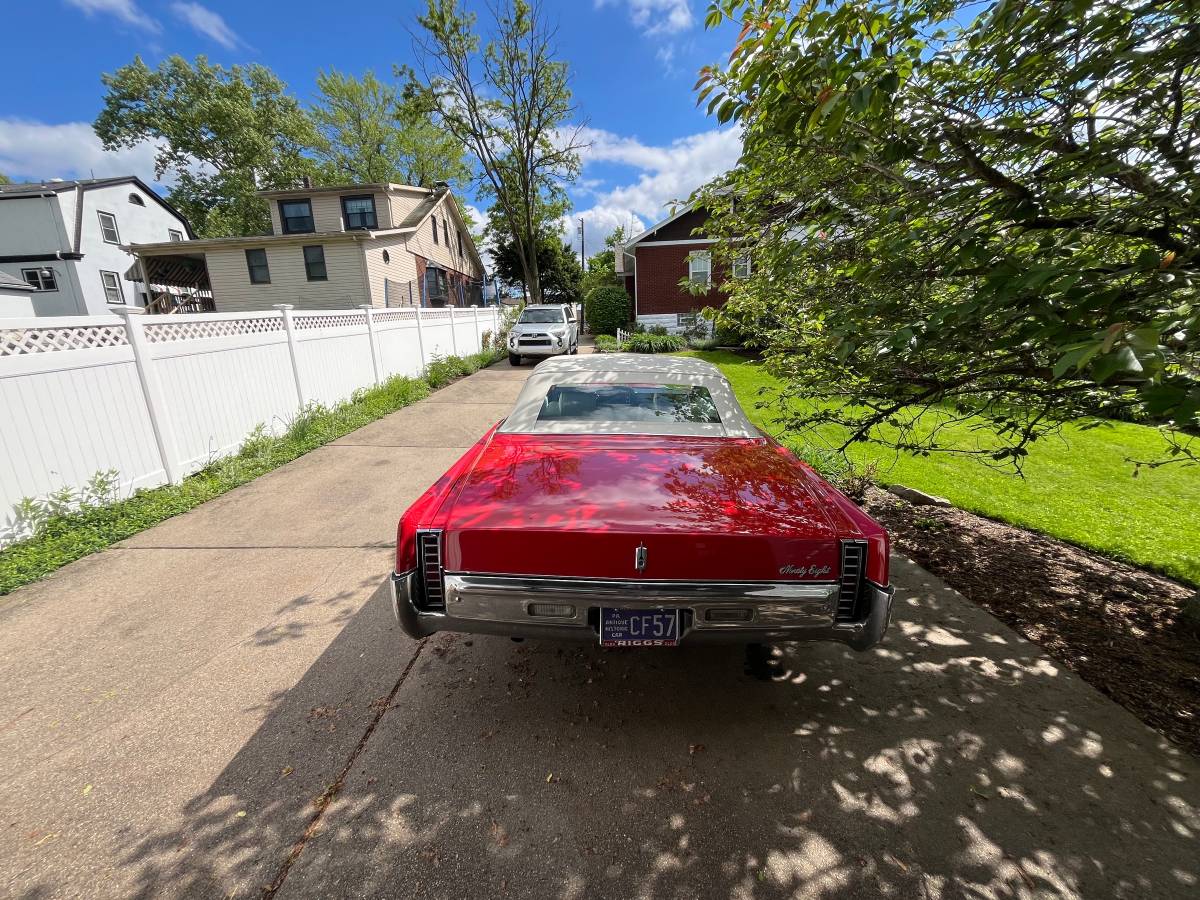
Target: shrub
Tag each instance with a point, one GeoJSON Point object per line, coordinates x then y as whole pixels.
{"type": "Point", "coordinates": [606, 343]}
{"type": "Point", "coordinates": [657, 329]}
{"type": "Point", "coordinates": [648, 342]}
{"type": "Point", "coordinates": [606, 309]}
{"type": "Point", "coordinates": [704, 343]}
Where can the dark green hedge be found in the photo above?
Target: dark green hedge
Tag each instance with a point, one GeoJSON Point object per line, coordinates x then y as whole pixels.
{"type": "Point", "coordinates": [606, 309]}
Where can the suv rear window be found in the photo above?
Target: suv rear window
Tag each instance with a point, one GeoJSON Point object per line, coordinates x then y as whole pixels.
{"type": "Point", "coordinates": [629, 403]}
{"type": "Point", "coordinates": [541, 317]}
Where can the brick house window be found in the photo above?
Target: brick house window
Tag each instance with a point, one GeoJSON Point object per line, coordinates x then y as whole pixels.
{"type": "Point", "coordinates": [700, 268]}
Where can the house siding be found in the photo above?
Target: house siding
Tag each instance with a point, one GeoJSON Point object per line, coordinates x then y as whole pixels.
{"type": "Point", "coordinates": [401, 271]}
{"type": "Point", "coordinates": [682, 229]}
{"type": "Point", "coordinates": [327, 210]}
{"type": "Point", "coordinates": [421, 243]}
{"type": "Point", "coordinates": [659, 271]}
{"type": "Point", "coordinates": [233, 292]}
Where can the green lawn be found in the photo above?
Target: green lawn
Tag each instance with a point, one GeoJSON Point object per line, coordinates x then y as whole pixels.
{"type": "Point", "coordinates": [1077, 487]}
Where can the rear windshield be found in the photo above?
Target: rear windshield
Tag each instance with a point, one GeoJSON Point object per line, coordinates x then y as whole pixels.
{"type": "Point", "coordinates": [541, 316]}
{"type": "Point", "coordinates": [629, 403]}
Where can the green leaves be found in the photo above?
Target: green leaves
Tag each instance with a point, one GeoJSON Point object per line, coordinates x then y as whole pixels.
{"type": "Point", "coordinates": [1000, 214]}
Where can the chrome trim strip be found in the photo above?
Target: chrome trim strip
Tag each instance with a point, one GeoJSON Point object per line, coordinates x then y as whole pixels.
{"type": "Point", "coordinates": [773, 619]}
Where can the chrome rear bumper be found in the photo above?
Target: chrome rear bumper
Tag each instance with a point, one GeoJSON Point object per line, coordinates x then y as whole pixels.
{"type": "Point", "coordinates": [521, 606]}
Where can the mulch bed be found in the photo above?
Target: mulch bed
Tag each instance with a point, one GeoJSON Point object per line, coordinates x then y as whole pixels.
{"type": "Point", "coordinates": [1112, 624]}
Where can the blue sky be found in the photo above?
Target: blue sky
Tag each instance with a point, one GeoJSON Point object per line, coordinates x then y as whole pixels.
{"type": "Point", "coordinates": [633, 63]}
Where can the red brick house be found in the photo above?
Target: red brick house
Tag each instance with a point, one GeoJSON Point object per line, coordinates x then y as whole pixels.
{"type": "Point", "coordinates": [653, 263]}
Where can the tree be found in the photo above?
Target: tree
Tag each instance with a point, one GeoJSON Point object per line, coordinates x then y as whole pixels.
{"type": "Point", "coordinates": [558, 266]}
{"type": "Point", "coordinates": [222, 135]}
{"type": "Point", "coordinates": [993, 222]}
{"type": "Point", "coordinates": [4, 179]}
{"type": "Point", "coordinates": [507, 102]}
{"type": "Point", "coordinates": [602, 266]}
{"type": "Point", "coordinates": [368, 133]}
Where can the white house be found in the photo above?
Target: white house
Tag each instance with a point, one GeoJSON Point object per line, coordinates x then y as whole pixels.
{"type": "Point", "coordinates": [67, 240]}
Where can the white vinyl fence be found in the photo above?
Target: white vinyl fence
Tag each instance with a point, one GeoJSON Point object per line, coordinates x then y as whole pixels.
{"type": "Point", "coordinates": [156, 398]}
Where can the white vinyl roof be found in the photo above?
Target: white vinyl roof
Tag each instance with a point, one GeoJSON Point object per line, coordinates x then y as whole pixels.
{"type": "Point", "coordinates": [627, 368]}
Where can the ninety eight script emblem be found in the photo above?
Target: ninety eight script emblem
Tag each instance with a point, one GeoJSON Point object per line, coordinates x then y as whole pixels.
{"type": "Point", "coordinates": [802, 572]}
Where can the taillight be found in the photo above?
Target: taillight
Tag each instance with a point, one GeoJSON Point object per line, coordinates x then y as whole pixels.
{"type": "Point", "coordinates": [429, 570]}
{"type": "Point", "coordinates": [851, 578]}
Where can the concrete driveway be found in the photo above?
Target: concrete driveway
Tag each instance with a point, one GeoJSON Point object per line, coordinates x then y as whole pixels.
{"type": "Point", "coordinates": [223, 706]}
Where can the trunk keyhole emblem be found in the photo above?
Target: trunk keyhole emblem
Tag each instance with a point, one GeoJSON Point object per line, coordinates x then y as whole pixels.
{"type": "Point", "coordinates": [639, 558]}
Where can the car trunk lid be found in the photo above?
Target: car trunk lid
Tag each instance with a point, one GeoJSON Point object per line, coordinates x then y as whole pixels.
{"type": "Point", "coordinates": [687, 508]}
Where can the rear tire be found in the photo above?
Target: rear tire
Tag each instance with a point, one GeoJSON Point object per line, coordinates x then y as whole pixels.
{"type": "Point", "coordinates": [514, 359]}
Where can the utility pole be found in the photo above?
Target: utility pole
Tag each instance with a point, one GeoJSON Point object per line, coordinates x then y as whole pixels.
{"type": "Point", "coordinates": [582, 260]}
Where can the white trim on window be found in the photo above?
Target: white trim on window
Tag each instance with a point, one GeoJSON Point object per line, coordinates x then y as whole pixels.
{"type": "Point", "coordinates": [174, 235]}
{"type": "Point", "coordinates": [106, 227]}
{"type": "Point", "coordinates": [111, 282]}
{"type": "Point", "coordinates": [700, 267]}
{"type": "Point", "coordinates": [741, 266]}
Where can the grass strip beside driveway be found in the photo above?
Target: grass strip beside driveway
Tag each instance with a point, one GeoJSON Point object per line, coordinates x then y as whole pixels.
{"type": "Point", "coordinates": [1078, 486]}
{"type": "Point", "coordinates": [65, 538]}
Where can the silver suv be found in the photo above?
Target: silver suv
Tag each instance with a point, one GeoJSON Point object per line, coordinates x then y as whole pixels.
{"type": "Point", "coordinates": [547, 330]}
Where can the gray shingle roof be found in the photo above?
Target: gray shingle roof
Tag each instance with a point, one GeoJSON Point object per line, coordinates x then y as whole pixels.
{"type": "Point", "coordinates": [40, 187]}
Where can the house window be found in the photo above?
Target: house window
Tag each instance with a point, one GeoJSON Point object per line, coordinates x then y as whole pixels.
{"type": "Point", "coordinates": [314, 263]}
{"type": "Point", "coordinates": [435, 240]}
{"type": "Point", "coordinates": [437, 288]}
{"type": "Point", "coordinates": [174, 235]}
{"type": "Point", "coordinates": [700, 268]}
{"type": "Point", "coordinates": [445, 233]}
{"type": "Point", "coordinates": [687, 320]}
{"type": "Point", "coordinates": [256, 264]}
{"type": "Point", "coordinates": [136, 200]}
{"type": "Point", "coordinates": [112, 287]}
{"type": "Point", "coordinates": [42, 279]}
{"type": "Point", "coordinates": [741, 266]}
{"type": "Point", "coordinates": [460, 252]}
{"type": "Point", "coordinates": [359, 212]}
{"type": "Point", "coordinates": [296, 216]}
{"type": "Point", "coordinates": [108, 228]}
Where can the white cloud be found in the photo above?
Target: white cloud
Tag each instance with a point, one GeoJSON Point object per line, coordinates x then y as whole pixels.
{"type": "Point", "coordinates": [126, 10]}
{"type": "Point", "coordinates": [654, 17]}
{"type": "Point", "coordinates": [667, 173]}
{"type": "Point", "coordinates": [34, 151]}
{"type": "Point", "coordinates": [208, 23]}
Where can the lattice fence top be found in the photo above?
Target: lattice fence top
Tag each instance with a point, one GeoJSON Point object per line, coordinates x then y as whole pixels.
{"type": "Point", "coordinates": [394, 315]}
{"type": "Point", "coordinates": [436, 314]}
{"type": "Point", "coordinates": [19, 341]}
{"type": "Point", "coordinates": [337, 320]}
{"type": "Point", "coordinates": [160, 333]}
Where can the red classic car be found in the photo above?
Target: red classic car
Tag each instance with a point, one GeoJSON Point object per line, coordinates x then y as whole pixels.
{"type": "Point", "coordinates": [628, 499]}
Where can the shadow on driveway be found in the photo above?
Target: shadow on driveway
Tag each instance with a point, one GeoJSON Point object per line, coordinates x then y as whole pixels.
{"type": "Point", "coordinates": [953, 761]}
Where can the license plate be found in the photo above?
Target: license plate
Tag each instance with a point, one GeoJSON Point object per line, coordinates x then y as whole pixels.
{"type": "Point", "coordinates": [639, 627]}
